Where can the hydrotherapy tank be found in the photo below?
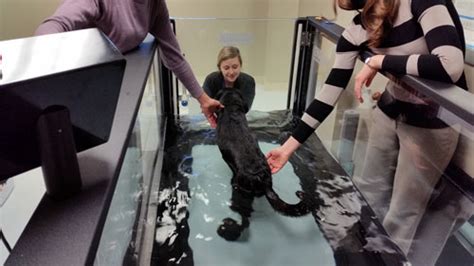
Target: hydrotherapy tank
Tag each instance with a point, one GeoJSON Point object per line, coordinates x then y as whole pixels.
{"type": "Point", "coordinates": [169, 188]}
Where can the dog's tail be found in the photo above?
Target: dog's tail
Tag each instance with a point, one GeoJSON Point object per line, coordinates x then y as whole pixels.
{"type": "Point", "coordinates": [294, 210]}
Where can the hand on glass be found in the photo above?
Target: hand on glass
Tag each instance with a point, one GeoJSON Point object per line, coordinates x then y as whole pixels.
{"type": "Point", "coordinates": [209, 107]}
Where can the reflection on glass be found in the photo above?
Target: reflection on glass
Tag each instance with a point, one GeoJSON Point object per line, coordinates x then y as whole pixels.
{"type": "Point", "coordinates": [118, 239]}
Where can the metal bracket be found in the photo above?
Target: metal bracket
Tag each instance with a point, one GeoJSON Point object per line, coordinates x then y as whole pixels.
{"type": "Point", "coordinates": [305, 38]}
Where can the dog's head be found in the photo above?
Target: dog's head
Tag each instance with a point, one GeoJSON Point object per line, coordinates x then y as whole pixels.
{"type": "Point", "coordinates": [231, 98]}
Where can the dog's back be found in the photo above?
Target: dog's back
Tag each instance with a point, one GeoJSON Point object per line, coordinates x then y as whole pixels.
{"type": "Point", "coordinates": [241, 152]}
{"type": "Point", "coordinates": [238, 147]}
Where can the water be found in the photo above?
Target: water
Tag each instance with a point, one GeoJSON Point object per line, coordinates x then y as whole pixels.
{"type": "Point", "coordinates": [271, 239]}
{"type": "Point", "coordinates": [195, 195]}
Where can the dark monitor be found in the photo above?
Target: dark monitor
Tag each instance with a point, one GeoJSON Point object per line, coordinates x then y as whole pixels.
{"type": "Point", "coordinates": [80, 70]}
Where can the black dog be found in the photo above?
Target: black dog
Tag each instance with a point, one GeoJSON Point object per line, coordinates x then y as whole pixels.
{"type": "Point", "coordinates": [251, 174]}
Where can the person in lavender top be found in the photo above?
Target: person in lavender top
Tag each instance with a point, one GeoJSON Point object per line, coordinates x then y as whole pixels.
{"type": "Point", "coordinates": [127, 23]}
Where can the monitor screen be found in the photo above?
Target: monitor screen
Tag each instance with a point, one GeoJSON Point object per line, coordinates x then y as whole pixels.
{"type": "Point", "coordinates": [80, 70]}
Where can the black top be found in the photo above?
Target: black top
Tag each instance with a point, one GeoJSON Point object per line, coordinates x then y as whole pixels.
{"type": "Point", "coordinates": [245, 83]}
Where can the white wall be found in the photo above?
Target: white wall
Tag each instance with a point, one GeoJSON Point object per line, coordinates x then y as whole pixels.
{"type": "Point", "coordinates": [265, 44]}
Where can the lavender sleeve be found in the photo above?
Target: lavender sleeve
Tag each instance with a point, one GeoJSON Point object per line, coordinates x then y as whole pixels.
{"type": "Point", "coordinates": [70, 15]}
{"type": "Point", "coordinates": [170, 51]}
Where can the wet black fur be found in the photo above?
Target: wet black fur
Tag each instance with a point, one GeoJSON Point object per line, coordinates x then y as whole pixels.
{"type": "Point", "coordinates": [251, 174]}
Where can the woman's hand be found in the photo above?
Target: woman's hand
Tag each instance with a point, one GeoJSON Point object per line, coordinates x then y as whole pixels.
{"type": "Point", "coordinates": [366, 75]}
{"type": "Point", "coordinates": [278, 157]}
{"type": "Point", "coordinates": [208, 107]}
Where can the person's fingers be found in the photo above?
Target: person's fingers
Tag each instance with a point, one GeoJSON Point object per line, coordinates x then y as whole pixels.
{"type": "Point", "coordinates": [272, 168]}
{"type": "Point", "coordinates": [269, 154]}
{"type": "Point", "coordinates": [376, 96]}
{"type": "Point", "coordinates": [271, 161]}
{"type": "Point", "coordinates": [212, 120]}
{"type": "Point", "coordinates": [369, 81]}
{"type": "Point", "coordinates": [275, 170]}
{"type": "Point", "coordinates": [357, 87]}
{"type": "Point", "coordinates": [370, 78]}
{"type": "Point", "coordinates": [357, 92]}
{"type": "Point", "coordinates": [216, 105]}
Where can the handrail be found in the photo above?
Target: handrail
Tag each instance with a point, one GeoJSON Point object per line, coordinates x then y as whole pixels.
{"type": "Point", "coordinates": [299, 22]}
{"type": "Point", "coordinates": [448, 96]}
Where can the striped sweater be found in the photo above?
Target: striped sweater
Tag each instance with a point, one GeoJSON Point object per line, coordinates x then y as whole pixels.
{"type": "Point", "coordinates": [424, 42]}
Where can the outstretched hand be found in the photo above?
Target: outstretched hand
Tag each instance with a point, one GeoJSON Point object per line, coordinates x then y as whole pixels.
{"type": "Point", "coordinates": [209, 107]}
{"type": "Point", "coordinates": [276, 159]}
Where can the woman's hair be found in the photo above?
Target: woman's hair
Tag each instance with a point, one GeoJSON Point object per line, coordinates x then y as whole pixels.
{"type": "Point", "coordinates": [377, 16]}
{"type": "Point", "coordinates": [228, 52]}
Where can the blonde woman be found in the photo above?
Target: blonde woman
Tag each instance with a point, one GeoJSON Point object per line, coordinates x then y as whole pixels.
{"type": "Point", "coordinates": [229, 75]}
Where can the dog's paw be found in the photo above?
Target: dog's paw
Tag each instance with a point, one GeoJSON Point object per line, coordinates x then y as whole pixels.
{"type": "Point", "coordinates": [230, 230]}
{"type": "Point", "coordinates": [300, 194]}
{"type": "Point", "coordinates": [186, 165]}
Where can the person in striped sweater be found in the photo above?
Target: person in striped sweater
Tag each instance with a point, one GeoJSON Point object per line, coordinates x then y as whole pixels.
{"type": "Point", "coordinates": [408, 147]}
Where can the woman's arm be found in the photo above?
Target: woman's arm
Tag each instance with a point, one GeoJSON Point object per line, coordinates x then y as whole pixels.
{"type": "Point", "coordinates": [347, 51]}
{"type": "Point", "coordinates": [174, 60]}
{"type": "Point", "coordinates": [71, 15]}
{"type": "Point", "coordinates": [445, 61]}
{"type": "Point", "coordinates": [170, 50]}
